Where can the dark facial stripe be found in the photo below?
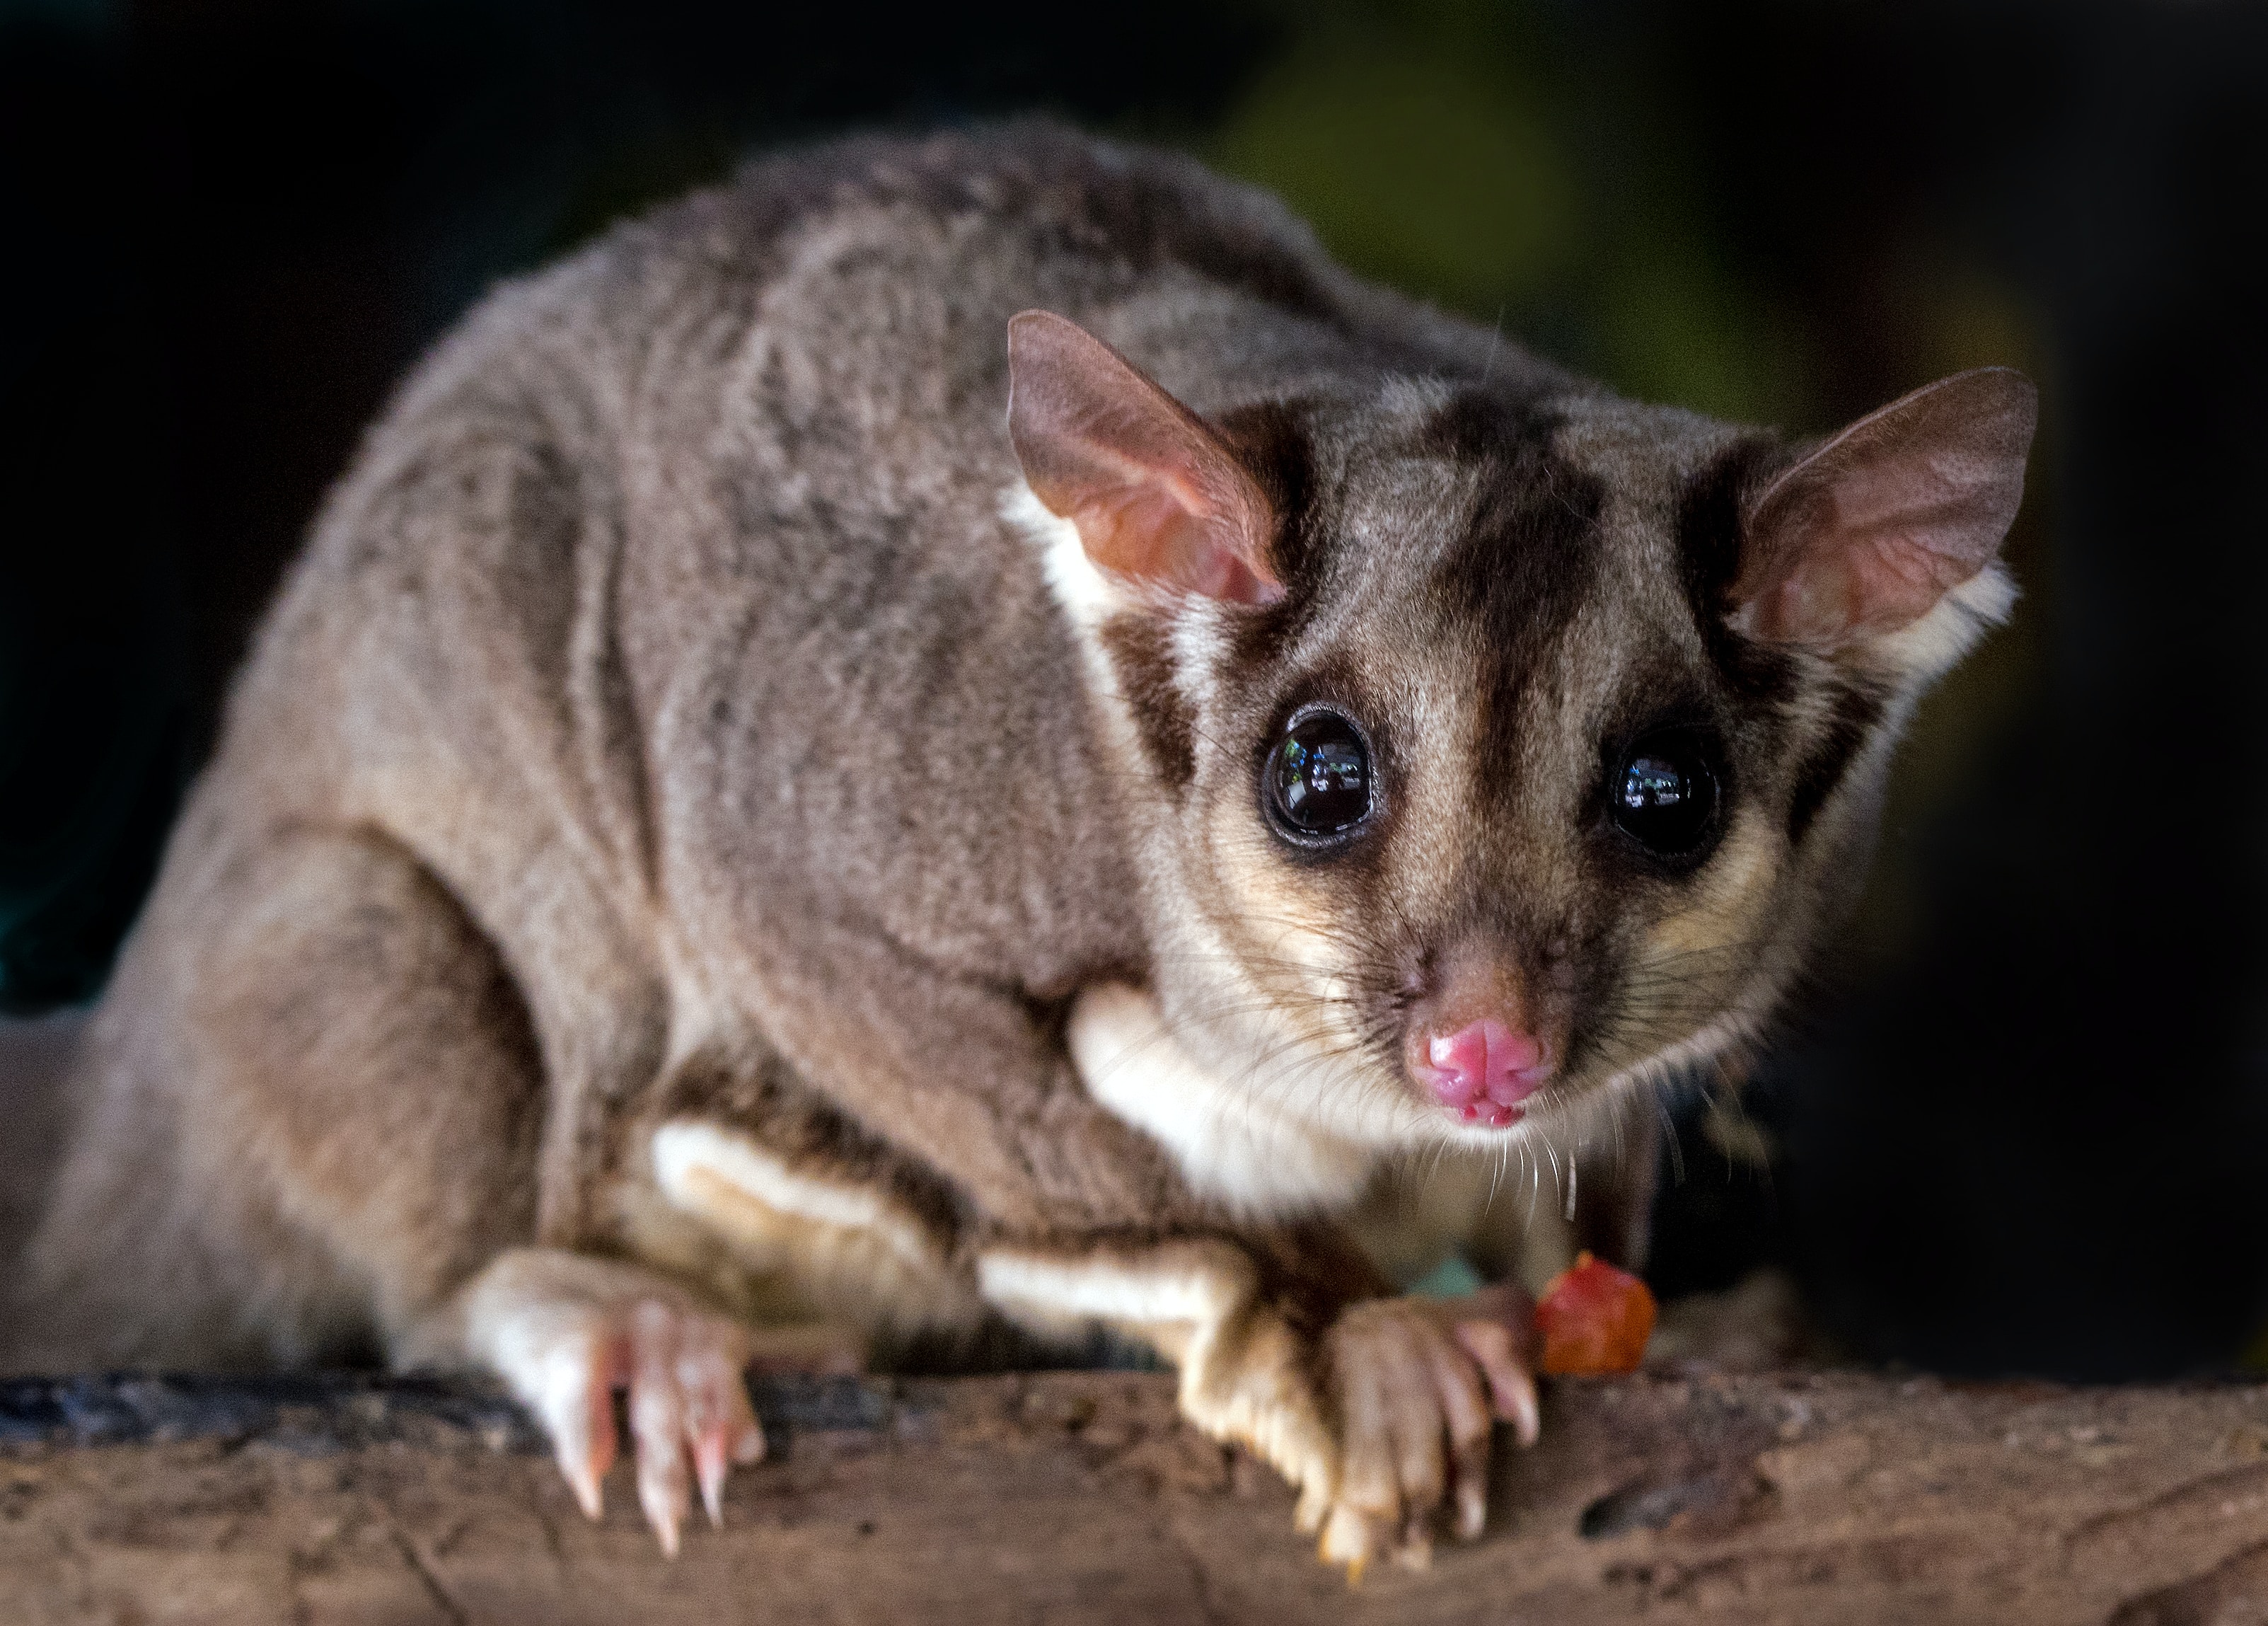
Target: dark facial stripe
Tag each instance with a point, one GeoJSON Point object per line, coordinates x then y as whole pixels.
{"type": "Point", "coordinates": [1709, 542]}
{"type": "Point", "coordinates": [1528, 559]}
{"type": "Point", "coordinates": [1852, 719]}
{"type": "Point", "coordinates": [1138, 653]}
{"type": "Point", "coordinates": [1274, 446]}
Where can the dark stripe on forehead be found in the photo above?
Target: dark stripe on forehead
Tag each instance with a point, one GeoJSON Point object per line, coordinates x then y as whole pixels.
{"type": "Point", "coordinates": [1272, 444]}
{"type": "Point", "coordinates": [1529, 556]}
{"type": "Point", "coordinates": [1272, 440]}
{"type": "Point", "coordinates": [1140, 656]}
{"type": "Point", "coordinates": [1709, 539]}
{"type": "Point", "coordinates": [1851, 719]}
{"type": "Point", "coordinates": [1482, 423]}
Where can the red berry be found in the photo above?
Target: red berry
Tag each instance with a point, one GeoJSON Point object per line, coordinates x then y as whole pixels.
{"type": "Point", "coordinates": [1595, 1320]}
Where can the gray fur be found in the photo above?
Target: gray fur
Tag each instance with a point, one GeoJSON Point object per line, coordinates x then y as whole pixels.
{"type": "Point", "coordinates": [663, 689]}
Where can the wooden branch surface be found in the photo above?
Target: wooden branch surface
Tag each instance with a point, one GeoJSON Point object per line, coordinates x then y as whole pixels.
{"type": "Point", "coordinates": [1081, 1498]}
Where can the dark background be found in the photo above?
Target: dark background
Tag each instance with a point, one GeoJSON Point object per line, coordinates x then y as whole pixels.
{"type": "Point", "coordinates": [2022, 1127]}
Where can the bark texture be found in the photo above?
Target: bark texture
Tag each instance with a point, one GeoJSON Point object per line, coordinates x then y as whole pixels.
{"type": "Point", "coordinates": [1080, 1497]}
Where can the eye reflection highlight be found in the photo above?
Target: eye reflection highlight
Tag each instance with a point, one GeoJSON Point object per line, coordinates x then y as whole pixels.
{"type": "Point", "coordinates": [1318, 778]}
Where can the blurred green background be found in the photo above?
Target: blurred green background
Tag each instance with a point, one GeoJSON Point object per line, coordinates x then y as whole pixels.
{"type": "Point", "coordinates": [2020, 1124]}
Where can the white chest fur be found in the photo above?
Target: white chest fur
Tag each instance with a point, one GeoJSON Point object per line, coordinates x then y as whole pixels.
{"type": "Point", "coordinates": [1229, 1145]}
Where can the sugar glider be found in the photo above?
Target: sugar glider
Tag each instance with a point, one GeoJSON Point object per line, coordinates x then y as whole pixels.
{"type": "Point", "coordinates": [969, 729]}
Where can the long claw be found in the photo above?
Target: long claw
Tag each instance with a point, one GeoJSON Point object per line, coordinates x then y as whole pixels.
{"type": "Point", "coordinates": [573, 1398]}
{"type": "Point", "coordinates": [1469, 1467]}
{"type": "Point", "coordinates": [1463, 1393]}
{"type": "Point", "coordinates": [717, 1417]}
{"type": "Point", "coordinates": [583, 1480]}
{"type": "Point", "coordinates": [661, 1498]}
{"type": "Point", "coordinates": [662, 1517]}
{"type": "Point", "coordinates": [1519, 1408]}
{"type": "Point", "coordinates": [708, 1469]}
{"type": "Point", "coordinates": [1491, 1345]}
{"type": "Point", "coordinates": [1347, 1540]}
{"type": "Point", "coordinates": [1472, 1507]}
{"type": "Point", "coordinates": [657, 1421]}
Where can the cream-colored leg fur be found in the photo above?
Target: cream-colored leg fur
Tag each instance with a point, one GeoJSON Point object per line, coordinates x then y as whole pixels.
{"type": "Point", "coordinates": [1380, 1422]}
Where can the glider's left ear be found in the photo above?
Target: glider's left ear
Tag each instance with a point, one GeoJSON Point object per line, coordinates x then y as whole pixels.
{"type": "Point", "coordinates": [1866, 535]}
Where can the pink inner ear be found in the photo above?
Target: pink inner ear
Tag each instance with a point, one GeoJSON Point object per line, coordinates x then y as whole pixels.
{"type": "Point", "coordinates": [1867, 534]}
{"type": "Point", "coordinates": [1157, 495]}
{"type": "Point", "coordinates": [1152, 534]}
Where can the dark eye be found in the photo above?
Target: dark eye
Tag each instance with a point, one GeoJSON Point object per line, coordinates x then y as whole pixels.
{"type": "Point", "coordinates": [1317, 780]}
{"type": "Point", "coordinates": [1665, 795]}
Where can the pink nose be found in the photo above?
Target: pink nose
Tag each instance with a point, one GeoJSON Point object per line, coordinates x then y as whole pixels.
{"type": "Point", "coordinates": [1485, 1070]}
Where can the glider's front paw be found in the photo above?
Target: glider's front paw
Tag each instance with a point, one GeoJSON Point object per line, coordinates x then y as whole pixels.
{"type": "Point", "coordinates": [1413, 1387]}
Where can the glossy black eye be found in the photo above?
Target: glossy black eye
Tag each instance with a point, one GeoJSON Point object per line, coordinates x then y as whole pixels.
{"type": "Point", "coordinates": [1665, 794]}
{"type": "Point", "coordinates": [1317, 780]}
